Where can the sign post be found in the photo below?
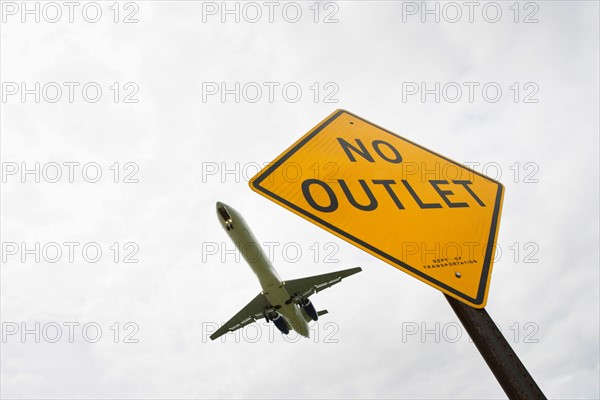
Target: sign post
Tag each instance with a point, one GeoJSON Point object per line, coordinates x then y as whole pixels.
{"type": "Point", "coordinates": [502, 360]}
{"type": "Point", "coordinates": [409, 206]}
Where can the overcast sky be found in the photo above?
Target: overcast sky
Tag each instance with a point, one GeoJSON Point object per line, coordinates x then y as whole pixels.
{"type": "Point", "coordinates": [177, 104]}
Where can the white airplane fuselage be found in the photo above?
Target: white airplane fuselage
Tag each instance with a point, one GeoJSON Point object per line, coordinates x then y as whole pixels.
{"type": "Point", "coordinates": [272, 286]}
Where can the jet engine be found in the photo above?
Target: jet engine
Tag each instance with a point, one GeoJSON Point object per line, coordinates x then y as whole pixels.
{"type": "Point", "coordinates": [279, 321]}
{"type": "Point", "coordinates": [309, 309]}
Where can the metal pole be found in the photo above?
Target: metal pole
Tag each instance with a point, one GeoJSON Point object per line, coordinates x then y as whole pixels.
{"type": "Point", "coordinates": [510, 372]}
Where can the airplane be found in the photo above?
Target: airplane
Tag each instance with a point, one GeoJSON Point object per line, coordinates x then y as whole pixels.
{"type": "Point", "coordinates": [285, 303]}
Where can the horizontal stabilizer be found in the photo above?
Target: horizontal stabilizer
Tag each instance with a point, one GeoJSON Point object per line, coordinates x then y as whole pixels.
{"type": "Point", "coordinates": [322, 312]}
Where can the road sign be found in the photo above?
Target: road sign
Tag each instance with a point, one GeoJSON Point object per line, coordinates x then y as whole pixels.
{"type": "Point", "coordinates": [417, 210]}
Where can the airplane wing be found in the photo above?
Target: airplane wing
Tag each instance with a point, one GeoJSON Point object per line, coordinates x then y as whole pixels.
{"type": "Point", "coordinates": [314, 284]}
{"type": "Point", "coordinates": [247, 315]}
{"type": "Point", "coordinates": [303, 286]}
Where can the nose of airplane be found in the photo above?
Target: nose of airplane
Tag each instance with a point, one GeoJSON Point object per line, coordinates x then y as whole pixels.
{"type": "Point", "coordinates": [224, 215]}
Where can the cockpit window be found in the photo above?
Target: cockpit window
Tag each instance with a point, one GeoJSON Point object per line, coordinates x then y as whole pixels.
{"type": "Point", "coordinates": [226, 218]}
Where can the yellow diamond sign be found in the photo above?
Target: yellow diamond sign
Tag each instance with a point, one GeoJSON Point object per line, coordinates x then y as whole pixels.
{"type": "Point", "coordinates": [415, 209]}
